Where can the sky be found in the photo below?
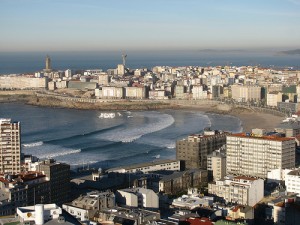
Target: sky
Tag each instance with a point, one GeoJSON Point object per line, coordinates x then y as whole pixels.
{"type": "Point", "coordinates": [152, 25]}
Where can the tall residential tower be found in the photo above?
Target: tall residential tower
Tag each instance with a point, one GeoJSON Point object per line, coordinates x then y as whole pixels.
{"type": "Point", "coordinates": [10, 147]}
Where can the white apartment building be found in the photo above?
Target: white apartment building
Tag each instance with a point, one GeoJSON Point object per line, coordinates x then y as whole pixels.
{"type": "Point", "coordinates": [292, 181]}
{"type": "Point", "coordinates": [245, 93]}
{"type": "Point", "coordinates": [241, 190]}
{"type": "Point", "coordinates": [10, 147]}
{"type": "Point", "coordinates": [273, 98]}
{"type": "Point", "coordinates": [112, 92]}
{"type": "Point", "coordinates": [135, 92]}
{"type": "Point", "coordinates": [255, 156]}
{"type": "Point", "coordinates": [198, 92]}
{"type": "Point", "coordinates": [173, 165]}
{"type": "Point", "coordinates": [137, 197]}
{"type": "Point", "coordinates": [216, 162]}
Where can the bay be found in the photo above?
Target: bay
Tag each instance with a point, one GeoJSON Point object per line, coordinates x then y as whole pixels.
{"type": "Point", "coordinates": [81, 137]}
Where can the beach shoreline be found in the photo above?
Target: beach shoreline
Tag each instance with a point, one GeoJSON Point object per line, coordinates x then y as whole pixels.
{"type": "Point", "coordinates": [249, 119]}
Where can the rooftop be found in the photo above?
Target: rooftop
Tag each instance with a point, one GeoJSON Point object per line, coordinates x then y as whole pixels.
{"type": "Point", "coordinates": [153, 163]}
{"type": "Point", "coordinates": [270, 138]}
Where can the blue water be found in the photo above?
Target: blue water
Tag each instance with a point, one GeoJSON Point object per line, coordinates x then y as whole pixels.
{"type": "Point", "coordinates": [32, 62]}
{"type": "Point", "coordinates": [80, 137]}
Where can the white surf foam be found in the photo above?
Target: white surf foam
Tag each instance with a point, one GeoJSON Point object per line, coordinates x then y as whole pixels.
{"type": "Point", "coordinates": [34, 144]}
{"type": "Point", "coordinates": [58, 154]}
{"type": "Point", "coordinates": [162, 121]}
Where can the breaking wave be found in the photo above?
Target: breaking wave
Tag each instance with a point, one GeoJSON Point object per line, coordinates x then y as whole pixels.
{"type": "Point", "coordinates": [33, 144]}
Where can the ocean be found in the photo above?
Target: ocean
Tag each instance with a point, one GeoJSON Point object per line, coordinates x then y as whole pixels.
{"type": "Point", "coordinates": [81, 138]}
{"type": "Point", "coordinates": [22, 62]}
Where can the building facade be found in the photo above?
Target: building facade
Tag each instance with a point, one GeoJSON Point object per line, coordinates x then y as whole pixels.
{"type": "Point", "coordinates": [59, 176]}
{"type": "Point", "coordinates": [137, 197]}
{"type": "Point", "coordinates": [241, 190]}
{"type": "Point", "coordinates": [10, 147]}
{"type": "Point", "coordinates": [246, 93]}
{"type": "Point", "coordinates": [194, 150]}
{"type": "Point", "coordinates": [257, 155]}
{"type": "Point", "coordinates": [216, 163]}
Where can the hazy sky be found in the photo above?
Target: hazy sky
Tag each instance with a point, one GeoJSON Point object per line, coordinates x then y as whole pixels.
{"type": "Point", "coordinates": [76, 25]}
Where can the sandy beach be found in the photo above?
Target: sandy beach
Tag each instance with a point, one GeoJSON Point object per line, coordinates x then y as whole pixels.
{"type": "Point", "coordinates": [249, 118]}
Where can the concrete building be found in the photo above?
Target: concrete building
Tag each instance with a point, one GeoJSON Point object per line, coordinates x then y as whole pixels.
{"type": "Point", "coordinates": [180, 181]}
{"type": "Point", "coordinates": [120, 69]}
{"type": "Point", "coordinates": [256, 155]}
{"type": "Point", "coordinates": [21, 190]}
{"type": "Point", "coordinates": [292, 181]}
{"type": "Point", "coordinates": [240, 212]}
{"type": "Point", "coordinates": [10, 147]}
{"type": "Point", "coordinates": [273, 98]}
{"type": "Point", "coordinates": [84, 207]}
{"type": "Point", "coordinates": [246, 93]}
{"type": "Point", "coordinates": [68, 73]}
{"type": "Point", "coordinates": [113, 92]}
{"type": "Point", "coordinates": [194, 150]}
{"type": "Point", "coordinates": [137, 197]}
{"type": "Point", "coordinates": [48, 66]}
{"type": "Point", "coordinates": [157, 94]}
{"type": "Point", "coordinates": [192, 202]}
{"type": "Point", "coordinates": [39, 214]}
{"type": "Point", "coordinates": [180, 92]}
{"type": "Point", "coordinates": [120, 215]}
{"type": "Point", "coordinates": [59, 176]}
{"type": "Point", "coordinates": [172, 165]}
{"type": "Point", "coordinates": [241, 190]}
{"type": "Point", "coordinates": [104, 79]}
{"type": "Point", "coordinates": [81, 85]}
{"type": "Point", "coordinates": [216, 163]}
{"type": "Point", "coordinates": [290, 128]}
{"type": "Point", "coordinates": [198, 92]}
{"type": "Point", "coordinates": [22, 82]}
{"type": "Point", "coordinates": [135, 92]}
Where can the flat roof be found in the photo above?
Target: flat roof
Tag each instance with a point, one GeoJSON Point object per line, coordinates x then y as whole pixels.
{"type": "Point", "coordinates": [153, 163]}
{"type": "Point", "coordinates": [270, 138]}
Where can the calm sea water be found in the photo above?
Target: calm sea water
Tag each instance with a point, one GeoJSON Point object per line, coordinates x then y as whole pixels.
{"type": "Point", "coordinates": [32, 62]}
{"type": "Point", "coordinates": [80, 137]}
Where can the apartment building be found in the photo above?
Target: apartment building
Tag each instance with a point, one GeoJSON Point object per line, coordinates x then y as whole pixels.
{"type": "Point", "coordinates": [273, 98]}
{"type": "Point", "coordinates": [194, 149]}
{"type": "Point", "coordinates": [180, 181]}
{"type": "Point", "coordinates": [292, 181]}
{"type": "Point", "coordinates": [216, 163]}
{"type": "Point", "coordinates": [59, 176]}
{"type": "Point", "coordinates": [112, 92]}
{"type": "Point", "coordinates": [241, 190]}
{"type": "Point", "coordinates": [10, 147]}
{"type": "Point", "coordinates": [255, 155]}
{"type": "Point", "coordinates": [198, 92]}
{"type": "Point", "coordinates": [245, 93]}
{"type": "Point", "coordinates": [168, 164]}
{"type": "Point", "coordinates": [137, 197]}
{"type": "Point", "coordinates": [83, 207]}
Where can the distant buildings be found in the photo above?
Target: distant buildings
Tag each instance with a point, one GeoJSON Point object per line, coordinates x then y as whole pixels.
{"type": "Point", "coordinates": [10, 147]}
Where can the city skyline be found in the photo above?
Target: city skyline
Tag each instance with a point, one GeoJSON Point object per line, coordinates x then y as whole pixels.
{"type": "Point", "coordinates": [134, 25]}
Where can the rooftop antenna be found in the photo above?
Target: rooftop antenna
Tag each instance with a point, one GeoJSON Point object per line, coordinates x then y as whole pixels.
{"type": "Point", "coordinates": [124, 59]}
